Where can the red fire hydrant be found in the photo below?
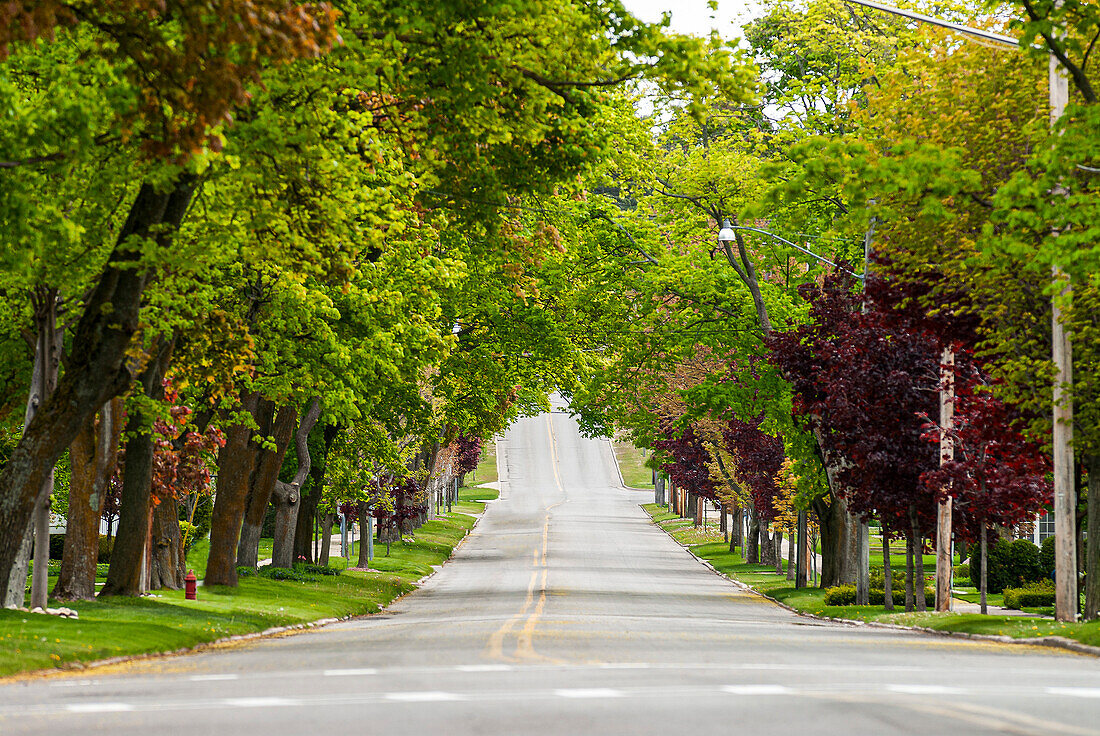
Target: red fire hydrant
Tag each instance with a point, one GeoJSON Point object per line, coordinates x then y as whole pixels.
{"type": "Point", "coordinates": [190, 586]}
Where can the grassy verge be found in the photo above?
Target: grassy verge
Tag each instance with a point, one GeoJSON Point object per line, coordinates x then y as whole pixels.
{"type": "Point", "coordinates": [166, 622]}
{"type": "Point", "coordinates": [632, 465]}
{"type": "Point", "coordinates": [812, 600]}
{"type": "Point", "coordinates": [486, 470]}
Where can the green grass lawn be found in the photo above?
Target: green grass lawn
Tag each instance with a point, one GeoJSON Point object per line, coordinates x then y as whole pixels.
{"type": "Point", "coordinates": [166, 622]}
{"type": "Point", "coordinates": [486, 471]}
{"type": "Point", "coordinates": [632, 464]}
{"type": "Point", "coordinates": [812, 600]}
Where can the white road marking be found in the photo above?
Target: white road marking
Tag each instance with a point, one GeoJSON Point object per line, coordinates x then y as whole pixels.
{"type": "Point", "coordinates": [263, 702]}
{"type": "Point", "coordinates": [351, 672]}
{"type": "Point", "coordinates": [424, 696]}
{"type": "Point", "coordinates": [925, 689]}
{"type": "Point", "coordinates": [99, 707]}
{"type": "Point", "coordinates": [624, 666]}
{"type": "Point", "coordinates": [1075, 692]}
{"type": "Point", "coordinates": [484, 668]}
{"type": "Point", "coordinates": [589, 692]}
{"type": "Point", "coordinates": [212, 678]}
{"type": "Point", "coordinates": [756, 689]}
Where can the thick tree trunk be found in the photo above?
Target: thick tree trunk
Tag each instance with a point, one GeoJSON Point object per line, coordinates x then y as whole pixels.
{"type": "Point", "coordinates": [166, 561]}
{"type": "Point", "coordinates": [130, 554]}
{"type": "Point", "coordinates": [93, 456]}
{"type": "Point", "coordinates": [236, 461]}
{"type": "Point", "coordinates": [287, 497]}
{"type": "Point", "coordinates": [262, 481]}
{"type": "Point", "coordinates": [792, 559]}
{"type": "Point", "coordinates": [326, 537]}
{"type": "Point", "coordinates": [839, 556]}
{"type": "Point", "coordinates": [752, 546]}
{"type": "Point", "coordinates": [723, 525]}
{"type": "Point", "coordinates": [735, 528]}
{"type": "Point", "coordinates": [887, 571]}
{"type": "Point", "coordinates": [96, 369]}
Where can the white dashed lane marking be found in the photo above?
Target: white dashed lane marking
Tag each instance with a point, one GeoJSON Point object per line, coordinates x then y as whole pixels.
{"type": "Point", "coordinates": [364, 671]}
{"type": "Point", "coordinates": [925, 690]}
{"type": "Point", "coordinates": [427, 696]}
{"type": "Point", "coordinates": [99, 707]}
{"type": "Point", "coordinates": [1075, 692]}
{"type": "Point", "coordinates": [589, 692]}
{"type": "Point", "coordinates": [212, 678]}
{"type": "Point", "coordinates": [265, 702]}
{"type": "Point", "coordinates": [757, 689]}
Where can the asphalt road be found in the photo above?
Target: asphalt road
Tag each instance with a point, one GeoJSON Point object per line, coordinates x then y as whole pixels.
{"type": "Point", "coordinates": [567, 612]}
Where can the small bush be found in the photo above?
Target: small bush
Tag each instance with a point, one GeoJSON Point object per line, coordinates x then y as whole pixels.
{"type": "Point", "coordinates": [1034, 595]}
{"type": "Point", "coordinates": [962, 571]}
{"type": "Point", "coordinates": [310, 568]}
{"type": "Point", "coordinates": [57, 546]}
{"type": "Point", "coordinates": [878, 578]}
{"type": "Point", "coordinates": [106, 544]}
{"type": "Point", "coordinates": [242, 572]}
{"type": "Point", "coordinates": [840, 595]}
{"type": "Point", "coordinates": [845, 595]}
{"type": "Point", "coordinates": [1046, 556]}
{"type": "Point", "coordinates": [281, 573]}
{"type": "Point", "coordinates": [1023, 563]}
{"type": "Point", "coordinates": [997, 578]}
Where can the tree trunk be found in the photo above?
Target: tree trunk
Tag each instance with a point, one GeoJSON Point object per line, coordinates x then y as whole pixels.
{"type": "Point", "coordinates": [167, 564]}
{"type": "Point", "coordinates": [887, 572]}
{"type": "Point", "coordinates": [35, 536]}
{"type": "Point", "coordinates": [839, 553]}
{"type": "Point", "coordinates": [723, 525]}
{"type": "Point", "coordinates": [778, 547]}
{"type": "Point", "coordinates": [983, 582]}
{"type": "Point", "coordinates": [918, 562]}
{"type": "Point", "coordinates": [287, 497]}
{"type": "Point", "coordinates": [93, 455]}
{"type": "Point", "coordinates": [909, 570]}
{"type": "Point", "coordinates": [792, 559]}
{"type": "Point", "coordinates": [326, 537]}
{"type": "Point", "coordinates": [262, 482]}
{"type": "Point", "coordinates": [97, 367]}
{"type": "Point", "coordinates": [752, 546]}
{"type": "Point", "coordinates": [311, 501]}
{"type": "Point", "coordinates": [236, 461]}
{"type": "Point", "coordinates": [735, 527]}
{"type": "Point", "coordinates": [363, 509]}
{"type": "Point", "coordinates": [1092, 542]}
{"type": "Point", "coordinates": [130, 553]}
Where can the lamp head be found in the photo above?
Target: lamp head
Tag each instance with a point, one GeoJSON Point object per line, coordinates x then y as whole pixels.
{"type": "Point", "coordinates": [725, 235]}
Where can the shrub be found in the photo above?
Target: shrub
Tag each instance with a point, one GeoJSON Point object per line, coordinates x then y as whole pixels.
{"type": "Point", "coordinates": [1046, 556]}
{"type": "Point", "coordinates": [996, 569]}
{"type": "Point", "coordinates": [57, 546]}
{"type": "Point", "coordinates": [244, 571]}
{"type": "Point", "coordinates": [1034, 595]}
{"type": "Point", "coordinates": [840, 595]}
{"type": "Point", "coordinates": [106, 544]}
{"type": "Point", "coordinates": [317, 569]}
{"type": "Point", "coordinates": [1023, 564]}
{"type": "Point", "coordinates": [962, 572]}
{"type": "Point", "coordinates": [878, 578]}
{"type": "Point", "coordinates": [281, 573]}
{"type": "Point", "coordinates": [845, 595]}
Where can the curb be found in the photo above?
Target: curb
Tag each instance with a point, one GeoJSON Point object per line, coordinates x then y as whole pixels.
{"type": "Point", "coordinates": [1053, 642]}
{"type": "Point", "coordinates": [71, 668]}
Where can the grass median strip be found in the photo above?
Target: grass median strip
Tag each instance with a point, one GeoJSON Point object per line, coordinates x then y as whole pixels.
{"type": "Point", "coordinates": [764, 579]}
{"type": "Point", "coordinates": [166, 622]}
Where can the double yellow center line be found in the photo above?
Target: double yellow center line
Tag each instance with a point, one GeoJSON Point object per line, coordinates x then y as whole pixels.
{"type": "Point", "coordinates": [524, 646]}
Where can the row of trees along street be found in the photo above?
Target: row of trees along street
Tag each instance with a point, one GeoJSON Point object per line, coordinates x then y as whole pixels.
{"type": "Point", "coordinates": [871, 334]}
{"type": "Point", "coordinates": [260, 255]}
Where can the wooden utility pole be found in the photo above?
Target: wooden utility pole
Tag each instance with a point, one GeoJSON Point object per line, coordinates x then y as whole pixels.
{"type": "Point", "coordinates": [944, 559]}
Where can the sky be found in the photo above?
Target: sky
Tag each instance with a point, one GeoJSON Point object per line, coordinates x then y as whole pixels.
{"type": "Point", "coordinates": [693, 16]}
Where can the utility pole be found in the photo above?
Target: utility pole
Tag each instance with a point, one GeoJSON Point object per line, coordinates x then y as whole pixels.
{"type": "Point", "coordinates": [1065, 505]}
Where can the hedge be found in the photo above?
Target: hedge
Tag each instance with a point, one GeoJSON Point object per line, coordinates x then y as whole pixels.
{"type": "Point", "coordinates": [1035, 595]}
{"type": "Point", "coordinates": [845, 595]}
